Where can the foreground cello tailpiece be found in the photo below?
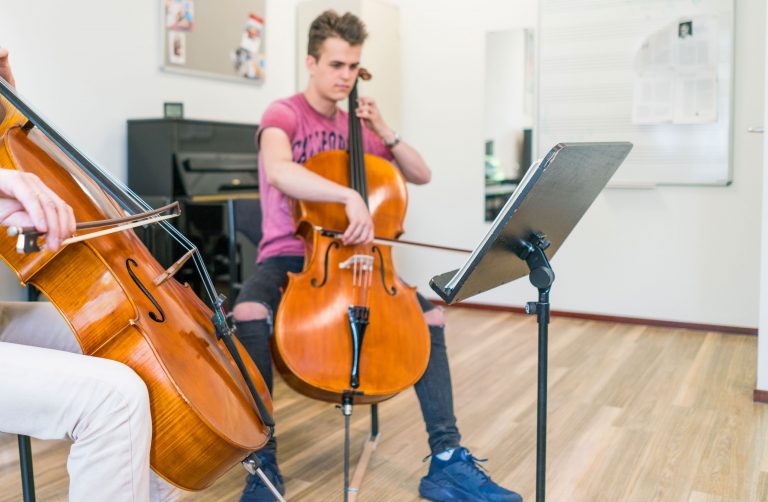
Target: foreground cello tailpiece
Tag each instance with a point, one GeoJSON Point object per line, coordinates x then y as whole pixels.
{"type": "Point", "coordinates": [347, 327]}
{"type": "Point", "coordinates": [210, 406]}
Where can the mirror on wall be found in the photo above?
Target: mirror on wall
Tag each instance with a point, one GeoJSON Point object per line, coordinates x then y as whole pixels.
{"type": "Point", "coordinates": [508, 113]}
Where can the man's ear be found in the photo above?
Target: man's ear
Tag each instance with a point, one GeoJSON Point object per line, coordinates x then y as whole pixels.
{"type": "Point", "coordinates": [311, 63]}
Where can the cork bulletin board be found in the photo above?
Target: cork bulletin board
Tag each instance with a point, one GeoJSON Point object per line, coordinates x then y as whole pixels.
{"type": "Point", "coordinates": [214, 38]}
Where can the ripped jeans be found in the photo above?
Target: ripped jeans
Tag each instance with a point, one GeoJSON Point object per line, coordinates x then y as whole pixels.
{"type": "Point", "coordinates": [433, 389]}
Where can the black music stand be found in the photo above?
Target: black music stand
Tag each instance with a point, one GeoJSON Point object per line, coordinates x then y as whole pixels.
{"type": "Point", "coordinates": [549, 202]}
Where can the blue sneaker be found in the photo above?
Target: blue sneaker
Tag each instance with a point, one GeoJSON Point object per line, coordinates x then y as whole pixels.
{"type": "Point", "coordinates": [461, 478]}
{"type": "Point", "coordinates": [255, 490]}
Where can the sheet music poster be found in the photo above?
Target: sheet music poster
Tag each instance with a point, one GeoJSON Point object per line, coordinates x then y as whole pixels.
{"type": "Point", "coordinates": [657, 73]}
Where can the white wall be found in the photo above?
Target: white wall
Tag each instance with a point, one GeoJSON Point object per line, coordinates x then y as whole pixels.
{"type": "Point", "coordinates": [676, 253]}
{"type": "Point", "coordinates": [687, 254]}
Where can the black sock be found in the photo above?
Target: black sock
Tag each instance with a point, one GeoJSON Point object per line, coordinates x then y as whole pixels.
{"type": "Point", "coordinates": [254, 335]}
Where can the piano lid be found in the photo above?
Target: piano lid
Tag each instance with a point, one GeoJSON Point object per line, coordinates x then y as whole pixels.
{"type": "Point", "coordinates": [212, 173]}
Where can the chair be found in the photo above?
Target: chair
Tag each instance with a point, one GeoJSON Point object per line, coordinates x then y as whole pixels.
{"type": "Point", "coordinates": [25, 445]}
{"type": "Point", "coordinates": [244, 216]}
{"type": "Point", "coordinates": [27, 473]}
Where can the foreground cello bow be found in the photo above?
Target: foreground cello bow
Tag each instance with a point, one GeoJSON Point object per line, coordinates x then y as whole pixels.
{"type": "Point", "coordinates": [210, 406]}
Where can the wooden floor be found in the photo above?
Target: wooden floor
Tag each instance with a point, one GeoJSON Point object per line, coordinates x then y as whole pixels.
{"type": "Point", "coordinates": [636, 414]}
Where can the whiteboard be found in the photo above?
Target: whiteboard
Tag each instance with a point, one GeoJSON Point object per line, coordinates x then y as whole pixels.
{"type": "Point", "coordinates": [587, 78]}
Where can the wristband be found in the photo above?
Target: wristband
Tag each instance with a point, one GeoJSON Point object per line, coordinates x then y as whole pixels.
{"type": "Point", "coordinates": [394, 142]}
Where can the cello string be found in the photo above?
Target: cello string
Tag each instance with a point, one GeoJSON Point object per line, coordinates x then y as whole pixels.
{"type": "Point", "coordinates": [370, 274]}
{"type": "Point", "coordinates": [360, 158]}
{"type": "Point", "coordinates": [364, 296]}
{"type": "Point", "coordinates": [357, 159]}
{"type": "Point", "coordinates": [353, 172]}
{"type": "Point", "coordinates": [362, 273]}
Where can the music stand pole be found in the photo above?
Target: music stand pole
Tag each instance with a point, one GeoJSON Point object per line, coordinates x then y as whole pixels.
{"type": "Point", "coordinates": [542, 277]}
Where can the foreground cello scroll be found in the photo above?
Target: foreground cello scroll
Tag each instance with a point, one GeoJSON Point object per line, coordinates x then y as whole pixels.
{"type": "Point", "coordinates": [210, 408]}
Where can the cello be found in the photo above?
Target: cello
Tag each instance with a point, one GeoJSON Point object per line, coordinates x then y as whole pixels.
{"type": "Point", "coordinates": [347, 328]}
{"type": "Point", "coordinates": [210, 407]}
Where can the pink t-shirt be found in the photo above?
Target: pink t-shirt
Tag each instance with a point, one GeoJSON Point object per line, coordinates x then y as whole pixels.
{"type": "Point", "coordinates": [310, 133]}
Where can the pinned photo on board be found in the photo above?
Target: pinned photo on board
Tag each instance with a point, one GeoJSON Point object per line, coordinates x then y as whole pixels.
{"type": "Point", "coordinates": [180, 15]}
{"type": "Point", "coordinates": [685, 29]}
{"type": "Point", "coordinates": [248, 57]}
{"type": "Point", "coordinates": [177, 48]}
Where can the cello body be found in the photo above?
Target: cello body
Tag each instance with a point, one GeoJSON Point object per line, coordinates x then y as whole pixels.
{"type": "Point", "coordinates": [313, 340]}
{"type": "Point", "coordinates": [204, 420]}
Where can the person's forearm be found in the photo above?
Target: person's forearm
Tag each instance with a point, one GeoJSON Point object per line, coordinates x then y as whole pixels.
{"type": "Point", "coordinates": [411, 164]}
{"type": "Point", "coordinates": [297, 182]}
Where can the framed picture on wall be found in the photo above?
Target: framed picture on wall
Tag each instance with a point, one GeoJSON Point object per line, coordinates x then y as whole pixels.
{"type": "Point", "coordinates": [173, 110]}
{"type": "Point", "coordinates": [214, 38]}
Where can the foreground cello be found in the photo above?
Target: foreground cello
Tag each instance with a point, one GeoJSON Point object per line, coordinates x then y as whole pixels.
{"type": "Point", "coordinates": [347, 329]}
{"type": "Point", "coordinates": [210, 407]}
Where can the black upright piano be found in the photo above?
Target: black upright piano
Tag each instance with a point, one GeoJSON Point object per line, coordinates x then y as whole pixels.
{"type": "Point", "coordinates": [211, 168]}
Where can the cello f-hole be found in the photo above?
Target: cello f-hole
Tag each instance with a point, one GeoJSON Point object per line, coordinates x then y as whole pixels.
{"type": "Point", "coordinates": [390, 291]}
{"type": "Point", "coordinates": [314, 283]}
{"type": "Point", "coordinates": [152, 315]}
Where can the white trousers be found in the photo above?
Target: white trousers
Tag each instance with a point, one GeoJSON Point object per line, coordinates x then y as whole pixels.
{"type": "Point", "coordinates": [48, 390]}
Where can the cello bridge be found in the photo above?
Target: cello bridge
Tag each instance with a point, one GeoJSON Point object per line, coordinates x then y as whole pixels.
{"type": "Point", "coordinates": [362, 268]}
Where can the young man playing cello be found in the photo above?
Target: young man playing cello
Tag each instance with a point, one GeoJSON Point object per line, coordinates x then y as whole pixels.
{"type": "Point", "coordinates": [49, 390]}
{"type": "Point", "coordinates": [291, 131]}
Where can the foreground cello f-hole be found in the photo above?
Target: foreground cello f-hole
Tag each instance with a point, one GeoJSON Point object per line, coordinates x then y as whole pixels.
{"type": "Point", "coordinates": [362, 333]}
{"type": "Point", "coordinates": [131, 262]}
{"type": "Point", "coordinates": [199, 431]}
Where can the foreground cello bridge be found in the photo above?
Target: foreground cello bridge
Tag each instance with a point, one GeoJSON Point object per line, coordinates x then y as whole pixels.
{"type": "Point", "coordinates": [171, 271]}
